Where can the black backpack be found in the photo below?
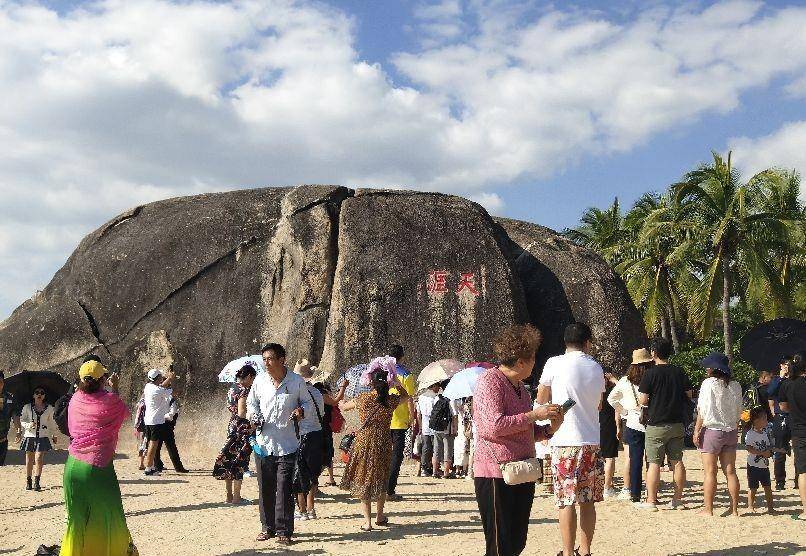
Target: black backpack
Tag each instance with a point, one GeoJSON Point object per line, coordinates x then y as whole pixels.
{"type": "Point", "coordinates": [440, 415]}
{"type": "Point", "coordinates": [60, 412]}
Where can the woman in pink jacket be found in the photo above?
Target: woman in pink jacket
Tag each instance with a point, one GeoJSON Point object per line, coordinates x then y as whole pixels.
{"type": "Point", "coordinates": [506, 432]}
{"type": "Point", "coordinates": [95, 522]}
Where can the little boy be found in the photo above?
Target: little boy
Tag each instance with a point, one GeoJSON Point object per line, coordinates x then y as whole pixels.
{"type": "Point", "coordinates": [759, 449]}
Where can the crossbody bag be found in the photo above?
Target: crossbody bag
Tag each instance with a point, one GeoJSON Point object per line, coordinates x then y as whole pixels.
{"type": "Point", "coordinates": [347, 440]}
{"type": "Point", "coordinates": [529, 470]}
{"type": "Point", "coordinates": [643, 411]}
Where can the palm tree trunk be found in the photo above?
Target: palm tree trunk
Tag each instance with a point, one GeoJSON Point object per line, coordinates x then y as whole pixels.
{"type": "Point", "coordinates": [673, 331]}
{"type": "Point", "coordinates": [664, 327]}
{"type": "Point", "coordinates": [726, 324]}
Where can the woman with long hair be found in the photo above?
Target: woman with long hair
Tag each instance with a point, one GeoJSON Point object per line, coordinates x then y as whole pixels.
{"type": "Point", "coordinates": [95, 521]}
{"type": "Point", "coordinates": [624, 399]}
{"type": "Point", "coordinates": [39, 429]}
{"type": "Point", "coordinates": [719, 408]}
{"type": "Point", "coordinates": [366, 474]}
{"type": "Point", "coordinates": [233, 459]}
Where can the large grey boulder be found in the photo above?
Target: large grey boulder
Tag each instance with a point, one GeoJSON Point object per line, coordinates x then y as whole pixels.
{"type": "Point", "coordinates": [332, 273]}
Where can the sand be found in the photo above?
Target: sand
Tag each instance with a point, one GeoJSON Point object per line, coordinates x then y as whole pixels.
{"type": "Point", "coordinates": [184, 515]}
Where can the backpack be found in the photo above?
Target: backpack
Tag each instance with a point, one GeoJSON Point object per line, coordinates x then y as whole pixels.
{"type": "Point", "coordinates": [440, 415]}
{"type": "Point", "coordinates": [139, 416]}
{"type": "Point", "coordinates": [60, 412]}
{"type": "Point", "coordinates": [336, 419]}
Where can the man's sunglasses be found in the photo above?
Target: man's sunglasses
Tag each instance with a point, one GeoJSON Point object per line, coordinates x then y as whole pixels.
{"type": "Point", "coordinates": [39, 393]}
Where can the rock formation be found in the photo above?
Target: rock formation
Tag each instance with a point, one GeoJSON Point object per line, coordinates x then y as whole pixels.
{"type": "Point", "coordinates": [334, 274]}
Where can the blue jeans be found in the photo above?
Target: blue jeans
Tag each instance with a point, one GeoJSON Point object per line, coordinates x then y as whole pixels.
{"type": "Point", "coordinates": [635, 440]}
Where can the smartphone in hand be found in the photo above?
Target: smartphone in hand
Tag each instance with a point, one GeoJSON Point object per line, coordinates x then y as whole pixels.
{"type": "Point", "coordinates": [567, 404]}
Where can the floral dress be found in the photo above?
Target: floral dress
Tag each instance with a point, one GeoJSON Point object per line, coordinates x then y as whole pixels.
{"type": "Point", "coordinates": [366, 475]}
{"type": "Point", "coordinates": [233, 459]}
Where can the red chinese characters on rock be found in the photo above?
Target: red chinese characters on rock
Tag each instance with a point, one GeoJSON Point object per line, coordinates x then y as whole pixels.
{"type": "Point", "coordinates": [437, 282]}
{"type": "Point", "coordinates": [468, 282]}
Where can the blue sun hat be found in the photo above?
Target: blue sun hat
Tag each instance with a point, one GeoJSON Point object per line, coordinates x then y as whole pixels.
{"type": "Point", "coordinates": [717, 361]}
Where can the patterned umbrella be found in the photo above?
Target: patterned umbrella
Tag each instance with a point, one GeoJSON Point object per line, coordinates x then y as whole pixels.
{"type": "Point", "coordinates": [437, 372]}
{"type": "Point", "coordinates": [353, 374]}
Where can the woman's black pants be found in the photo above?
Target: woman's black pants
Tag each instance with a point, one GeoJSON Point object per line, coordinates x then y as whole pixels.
{"type": "Point", "coordinates": [504, 513]}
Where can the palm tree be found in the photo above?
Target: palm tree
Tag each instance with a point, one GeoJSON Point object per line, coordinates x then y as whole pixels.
{"type": "Point", "coordinates": [601, 230]}
{"type": "Point", "coordinates": [715, 205]}
{"type": "Point", "coordinates": [654, 266]}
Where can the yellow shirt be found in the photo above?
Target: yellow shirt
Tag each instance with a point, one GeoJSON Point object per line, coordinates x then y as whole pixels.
{"type": "Point", "coordinates": [400, 417]}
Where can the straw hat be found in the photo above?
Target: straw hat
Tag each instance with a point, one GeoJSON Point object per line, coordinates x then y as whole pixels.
{"type": "Point", "coordinates": [303, 368]}
{"type": "Point", "coordinates": [641, 356]}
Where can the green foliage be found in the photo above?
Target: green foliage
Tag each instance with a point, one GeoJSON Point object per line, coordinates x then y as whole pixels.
{"type": "Point", "coordinates": [689, 359]}
{"type": "Point", "coordinates": [712, 243]}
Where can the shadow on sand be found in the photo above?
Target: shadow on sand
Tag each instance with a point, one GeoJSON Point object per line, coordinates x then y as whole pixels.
{"type": "Point", "coordinates": [55, 457]}
{"type": "Point", "coordinates": [275, 550]}
{"type": "Point", "coordinates": [769, 549]}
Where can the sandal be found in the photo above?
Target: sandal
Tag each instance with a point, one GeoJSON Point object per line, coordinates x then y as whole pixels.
{"type": "Point", "coordinates": [284, 541]}
{"type": "Point", "coordinates": [366, 529]}
{"type": "Point", "coordinates": [265, 535]}
{"type": "Point", "coordinates": [383, 522]}
{"type": "Point", "coordinates": [331, 484]}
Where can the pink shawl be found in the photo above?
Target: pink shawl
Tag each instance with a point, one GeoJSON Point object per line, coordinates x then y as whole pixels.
{"type": "Point", "coordinates": [94, 421]}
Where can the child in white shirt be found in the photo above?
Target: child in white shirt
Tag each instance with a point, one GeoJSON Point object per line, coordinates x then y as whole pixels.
{"type": "Point", "coordinates": [758, 442]}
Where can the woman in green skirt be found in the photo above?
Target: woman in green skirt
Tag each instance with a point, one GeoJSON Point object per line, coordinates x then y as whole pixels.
{"type": "Point", "coordinates": [95, 522]}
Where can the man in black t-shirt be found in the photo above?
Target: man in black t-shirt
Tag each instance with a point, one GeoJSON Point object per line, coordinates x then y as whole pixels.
{"type": "Point", "coordinates": [664, 390]}
{"type": "Point", "coordinates": [792, 398]}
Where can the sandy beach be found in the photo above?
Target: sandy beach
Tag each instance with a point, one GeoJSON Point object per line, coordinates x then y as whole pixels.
{"type": "Point", "coordinates": [183, 515]}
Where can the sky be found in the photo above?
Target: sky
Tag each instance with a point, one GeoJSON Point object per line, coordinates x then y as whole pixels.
{"type": "Point", "coordinates": [536, 110]}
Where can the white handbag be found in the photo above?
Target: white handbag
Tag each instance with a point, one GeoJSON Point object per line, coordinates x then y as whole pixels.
{"type": "Point", "coordinates": [522, 471]}
{"type": "Point", "coordinates": [528, 470]}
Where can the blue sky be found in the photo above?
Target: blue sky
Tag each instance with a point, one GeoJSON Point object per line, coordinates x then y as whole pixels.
{"type": "Point", "coordinates": [536, 110]}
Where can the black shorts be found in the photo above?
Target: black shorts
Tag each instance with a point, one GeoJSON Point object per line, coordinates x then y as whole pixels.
{"type": "Point", "coordinates": [757, 476]}
{"type": "Point", "coordinates": [608, 441]}
{"type": "Point", "coordinates": [157, 432]}
{"type": "Point", "coordinates": [799, 449]}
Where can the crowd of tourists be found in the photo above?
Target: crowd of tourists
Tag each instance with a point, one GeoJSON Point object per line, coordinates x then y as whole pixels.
{"type": "Point", "coordinates": [507, 437]}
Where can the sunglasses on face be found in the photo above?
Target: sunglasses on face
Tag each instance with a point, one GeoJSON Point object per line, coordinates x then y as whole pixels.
{"type": "Point", "coordinates": [39, 393]}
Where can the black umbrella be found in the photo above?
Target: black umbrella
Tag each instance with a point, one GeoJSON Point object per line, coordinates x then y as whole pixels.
{"type": "Point", "coordinates": [21, 386]}
{"type": "Point", "coordinates": [766, 344]}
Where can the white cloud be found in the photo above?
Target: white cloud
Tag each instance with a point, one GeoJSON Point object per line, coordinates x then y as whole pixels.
{"type": "Point", "coordinates": [118, 102]}
{"type": "Point", "coordinates": [784, 148]}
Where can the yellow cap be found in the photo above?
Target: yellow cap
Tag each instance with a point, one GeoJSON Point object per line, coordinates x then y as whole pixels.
{"type": "Point", "coordinates": [93, 369]}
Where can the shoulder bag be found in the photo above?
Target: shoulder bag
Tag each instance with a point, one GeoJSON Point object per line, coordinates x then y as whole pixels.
{"type": "Point", "coordinates": [643, 413]}
{"type": "Point", "coordinates": [347, 440]}
{"type": "Point", "coordinates": [528, 470]}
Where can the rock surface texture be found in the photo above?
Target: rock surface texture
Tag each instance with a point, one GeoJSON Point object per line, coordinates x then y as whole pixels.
{"type": "Point", "coordinates": [332, 273]}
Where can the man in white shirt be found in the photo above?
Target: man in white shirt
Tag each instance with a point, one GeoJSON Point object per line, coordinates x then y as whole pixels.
{"type": "Point", "coordinates": [425, 403]}
{"type": "Point", "coordinates": [277, 402]}
{"type": "Point", "coordinates": [157, 395]}
{"type": "Point", "coordinates": [576, 463]}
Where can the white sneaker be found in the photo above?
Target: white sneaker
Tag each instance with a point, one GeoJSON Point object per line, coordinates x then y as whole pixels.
{"type": "Point", "coordinates": [624, 495]}
{"type": "Point", "coordinates": [312, 514]}
{"type": "Point", "coordinates": [302, 516]}
{"type": "Point", "coordinates": [645, 506]}
{"type": "Point", "coordinates": [610, 493]}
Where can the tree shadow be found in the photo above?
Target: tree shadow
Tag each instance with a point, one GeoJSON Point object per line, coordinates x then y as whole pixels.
{"type": "Point", "coordinates": [252, 552]}
{"type": "Point", "coordinates": [174, 509]}
{"type": "Point", "coordinates": [57, 456]}
{"type": "Point", "coordinates": [770, 549]}
{"type": "Point", "coordinates": [29, 509]}
{"type": "Point", "coordinates": [150, 481]}
{"type": "Point", "coordinates": [10, 550]}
